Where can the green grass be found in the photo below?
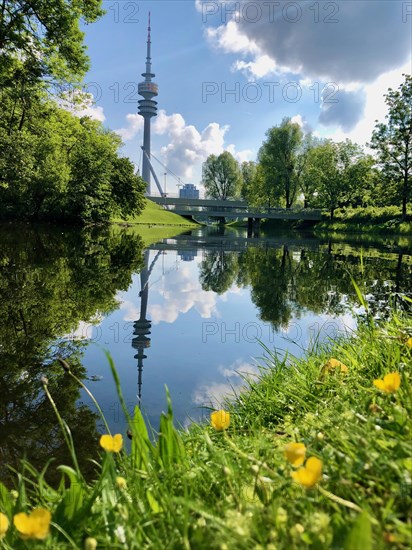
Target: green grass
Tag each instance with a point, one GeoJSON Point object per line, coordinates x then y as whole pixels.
{"type": "Point", "coordinates": [371, 220]}
{"type": "Point", "coordinates": [151, 234]}
{"type": "Point", "coordinates": [153, 214]}
{"type": "Point", "coordinates": [204, 489]}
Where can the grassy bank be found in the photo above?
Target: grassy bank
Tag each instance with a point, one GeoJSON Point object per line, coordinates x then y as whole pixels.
{"type": "Point", "coordinates": [151, 234]}
{"type": "Point", "coordinates": [233, 488]}
{"type": "Point", "coordinates": [153, 214]}
{"type": "Point", "coordinates": [371, 221]}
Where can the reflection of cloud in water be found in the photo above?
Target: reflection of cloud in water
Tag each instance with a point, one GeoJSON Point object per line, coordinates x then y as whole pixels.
{"type": "Point", "coordinates": [183, 292]}
{"type": "Point", "coordinates": [132, 312]}
{"type": "Point", "coordinates": [85, 331]}
{"type": "Point", "coordinates": [215, 393]}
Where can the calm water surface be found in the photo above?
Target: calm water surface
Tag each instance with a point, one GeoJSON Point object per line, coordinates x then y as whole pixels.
{"type": "Point", "coordinates": [193, 313]}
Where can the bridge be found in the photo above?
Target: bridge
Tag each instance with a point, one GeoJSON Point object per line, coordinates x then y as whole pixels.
{"type": "Point", "coordinates": [232, 210]}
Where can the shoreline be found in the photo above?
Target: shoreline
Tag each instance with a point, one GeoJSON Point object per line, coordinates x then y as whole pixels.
{"type": "Point", "coordinates": [233, 486]}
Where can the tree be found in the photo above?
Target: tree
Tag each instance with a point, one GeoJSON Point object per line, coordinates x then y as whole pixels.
{"type": "Point", "coordinates": [278, 158]}
{"type": "Point", "coordinates": [59, 167]}
{"type": "Point", "coordinates": [305, 182]}
{"type": "Point", "coordinates": [248, 179]}
{"type": "Point", "coordinates": [393, 140]}
{"type": "Point", "coordinates": [221, 176]}
{"type": "Point", "coordinates": [218, 271]}
{"type": "Point", "coordinates": [50, 281]}
{"type": "Point", "coordinates": [45, 37]}
{"type": "Point", "coordinates": [338, 172]}
{"type": "Point", "coordinates": [128, 189]}
{"type": "Point", "coordinates": [323, 171]}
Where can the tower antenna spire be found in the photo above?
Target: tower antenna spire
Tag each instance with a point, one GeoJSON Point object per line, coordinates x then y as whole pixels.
{"type": "Point", "coordinates": [147, 107]}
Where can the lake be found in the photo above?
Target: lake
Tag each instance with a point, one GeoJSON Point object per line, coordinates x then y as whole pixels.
{"type": "Point", "coordinates": [199, 313]}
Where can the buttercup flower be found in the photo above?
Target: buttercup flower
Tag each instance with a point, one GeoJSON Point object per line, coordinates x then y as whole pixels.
{"type": "Point", "coordinates": [35, 525]}
{"type": "Point", "coordinates": [121, 482]}
{"type": "Point", "coordinates": [389, 384]}
{"type": "Point", "coordinates": [220, 420]}
{"type": "Point", "coordinates": [90, 543]}
{"type": "Point", "coordinates": [112, 444]}
{"type": "Point", "coordinates": [333, 364]}
{"type": "Point", "coordinates": [309, 474]}
{"type": "Point", "coordinates": [295, 453]}
{"type": "Point", "coordinates": [4, 525]}
{"type": "Point", "coordinates": [409, 342]}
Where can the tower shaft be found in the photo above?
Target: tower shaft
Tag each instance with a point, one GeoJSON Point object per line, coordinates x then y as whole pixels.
{"type": "Point", "coordinates": [146, 145]}
{"type": "Point", "coordinates": [147, 107]}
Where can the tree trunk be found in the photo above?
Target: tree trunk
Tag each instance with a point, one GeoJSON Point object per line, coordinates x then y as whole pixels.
{"type": "Point", "coordinates": [404, 194]}
{"type": "Point", "coordinates": [332, 211]}
{"type": "Point", "coordinates": [305, 203]}
{"type": "Point", "coordinates": [287, 196]}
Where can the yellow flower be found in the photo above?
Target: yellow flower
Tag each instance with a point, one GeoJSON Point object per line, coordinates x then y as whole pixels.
{"type": "Point", "coordinates": [121, 482]}
{"type": "Point", "coordinates": [4, 525]}
{"type": "Point", "coordinates": [112, 444]}
{"type": "Point", "coordinates": [389, 384]}
{"type": "Point", "coordinates": [90, 544]}
{"type": "Point", "coordinates": [409, 342]}
{"type": "Point", "coordinates": [335, 364]}
{"type": "Point", "coordinates": [309, 474]}
{"type": "Point", "coordinates": [220, 420]}
{"type": "Point", "coordinates": [35, 525]}
{"type": "Point", "coordinates": [295, 453]}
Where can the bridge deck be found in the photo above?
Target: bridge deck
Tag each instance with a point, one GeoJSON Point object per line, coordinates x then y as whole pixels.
{"type": "Point", "coordinates": [233, 209]}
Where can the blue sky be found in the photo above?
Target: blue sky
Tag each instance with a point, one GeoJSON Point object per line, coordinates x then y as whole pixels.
{"type": "Point", "coordinates": [277, 57]}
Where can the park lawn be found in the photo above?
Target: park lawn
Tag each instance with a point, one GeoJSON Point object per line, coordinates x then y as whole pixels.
{"type": "Point", "coordinates": [153, 214]}
{"type": "Point", "coordinates": [233, 488]}
{"type": "Point", "coordinates": [371, 220]}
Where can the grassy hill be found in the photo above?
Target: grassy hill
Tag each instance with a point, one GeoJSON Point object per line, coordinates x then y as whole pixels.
{"type": "Point", "coordinates": [154, 214]}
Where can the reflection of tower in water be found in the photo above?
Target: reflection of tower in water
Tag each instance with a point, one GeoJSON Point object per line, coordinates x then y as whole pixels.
{"type": "Point", "coordinates": [143, 325]}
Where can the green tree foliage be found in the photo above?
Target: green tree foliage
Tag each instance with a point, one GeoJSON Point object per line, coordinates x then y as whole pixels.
{"type": "Point", "coordinates": [49, 282]}
{"type": "Point", "coordinates": [56, 166]}
{"type": "Point", "coordinates": [218, 271]}
{"type": "Point", "coordinates": [221, 176]}
{"type": "Point", "coordinates": [248, 179]}
{"type": "Point", "coordinates": [278, 159]}
{"type": "Point", "coordinates": [393, 141]}
{"type": "Point", "coordinates": [127, 189]}
{"type": "Point", "coordinates": [339, 174]}
{"type": "Point", "coordinates": [285, 282]}
{"type": "Point", "coordinates": [305, 182]}
{"type": "Point", "coordinates": [45, 36]}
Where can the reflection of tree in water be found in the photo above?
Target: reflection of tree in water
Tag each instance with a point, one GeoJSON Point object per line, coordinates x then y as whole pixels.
{"type": "Point", "coordinates": [218, 271]}
{"type": "Point", "coordinates": [285, 282]}
{"type": "Point", "coordinates": [271, 274]}
{"type": "Point", "coordinates": [50, 281]}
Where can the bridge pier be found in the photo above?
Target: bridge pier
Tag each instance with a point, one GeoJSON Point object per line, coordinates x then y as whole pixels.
{"type": "Point", "coordinates": [249, 227]}
{"type": "Point", "coordinates": [253, 227]}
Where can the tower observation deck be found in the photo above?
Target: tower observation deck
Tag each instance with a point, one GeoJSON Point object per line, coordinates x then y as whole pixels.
{"type": "Point", "coordinates": [147, 108]}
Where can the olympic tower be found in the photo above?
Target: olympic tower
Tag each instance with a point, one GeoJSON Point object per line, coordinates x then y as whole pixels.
{"type": "Point", "coordinates": [147, 108]}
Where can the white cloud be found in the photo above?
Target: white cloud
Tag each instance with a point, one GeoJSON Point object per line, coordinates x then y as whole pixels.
{"type": "Point", "coordinates": [131, 311]}
{"type": "Point", "coordinates": [230, 39]}
{"type": "Point", "coordinates": [188, 147]}
{"type": "Point", "coordinates": [303, 123]}
{"type": "Point", "coordinates": [93, 111]}
{"type": "Point", "coordinates": [261, 66]}
{"type": "Point", "coordinates": [84, 330]}
{"type": "Point", "coordinates": [375, 107]}
{"type": "Point", "coordinates": [81, 104]}
{"type": "Point", "coordinates": [135, 124]}
{"type": "Point", "coordinates": [344, 47]}
{"type": "Point", "coordinates": [240, 156]}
